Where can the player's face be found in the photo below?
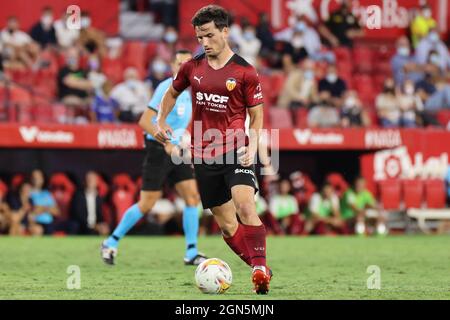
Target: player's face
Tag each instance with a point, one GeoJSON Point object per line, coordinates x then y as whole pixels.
{"type": "Point", "coordinates": [212, 39]}
{"type": "Point", "coordinates": [180, 58]}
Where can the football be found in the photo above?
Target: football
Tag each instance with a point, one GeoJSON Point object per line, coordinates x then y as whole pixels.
{"type": "Point", "coordinates": [213, 276]}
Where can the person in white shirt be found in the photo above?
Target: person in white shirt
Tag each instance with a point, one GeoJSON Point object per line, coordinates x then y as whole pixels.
{"type": "Point", "coordinates": [132, 95]}
{"type": "Point", "coordinates": [66, 37]}
{"type": "Point", "coordinates": [18, 45]}
{"type": "Point", "coordinates": [249, 45]}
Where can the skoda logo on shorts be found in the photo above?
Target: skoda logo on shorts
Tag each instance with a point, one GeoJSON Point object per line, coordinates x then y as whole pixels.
{"type": "Point", "coordinates": [246, 171]}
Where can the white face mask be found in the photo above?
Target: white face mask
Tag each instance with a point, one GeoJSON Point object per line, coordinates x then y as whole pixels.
{"type": "Point", "coordinates": [404, 51]}
{"type": "Point", "coordinates": [297, 42]}
{"type": "Point", "coordinates": [332, 77]}
{"type": "Point", "coordinates": [47, 20]}
{"type": "Point", "coordinates": [435, 59]}
{"type": "Point", "coordinates": [350, 102]}
{"type": "Point", "coordinates": [409, 90]}
{"type": "Point", "coordinates": [85, 22]}
{"type": "Point", "coordinates": [159, 67]}
{"type": "Point", "coordinates": [427, 13]}
{"type": "Point", "coordinates": [434, 36]}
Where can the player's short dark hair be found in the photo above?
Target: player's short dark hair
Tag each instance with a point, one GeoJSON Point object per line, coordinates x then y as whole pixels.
{"type": "Point", "coordinates": [214, 13]}
{"type": "Point", "coordinates": [181, 51]}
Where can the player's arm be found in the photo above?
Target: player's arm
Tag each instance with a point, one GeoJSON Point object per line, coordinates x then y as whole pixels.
{"type": "Point", "coordinates": [164, 131]}
{"type": "Point", "coordinates": [146, 123]}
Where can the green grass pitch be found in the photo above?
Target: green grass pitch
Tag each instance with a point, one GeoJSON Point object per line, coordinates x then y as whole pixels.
{"type": "Point", "coordinates": [412, 267]}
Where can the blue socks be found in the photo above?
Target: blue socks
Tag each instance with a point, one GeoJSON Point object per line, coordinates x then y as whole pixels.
{"type": "Point", "coordinates": [129, 219]}
{"type": "Point", "coordinates": [190, 227]}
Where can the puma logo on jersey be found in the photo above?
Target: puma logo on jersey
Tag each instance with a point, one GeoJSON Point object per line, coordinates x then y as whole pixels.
{"type": "Point", "coordinates": [210, 97]}
{"type": "Point", "coordinates": [198, 79]}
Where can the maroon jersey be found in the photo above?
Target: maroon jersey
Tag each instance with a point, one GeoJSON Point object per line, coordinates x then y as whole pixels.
{"type": "Point", "coordinates": [219, 100]}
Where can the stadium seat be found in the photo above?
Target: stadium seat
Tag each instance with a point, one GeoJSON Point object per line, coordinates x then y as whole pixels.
{"type": "Point", "coordinates": [413, 193]}
{"type": "Point", "coordinates": [62, 189]}
{"type": "Point", "coordinates": [301, 118]}
{"type": "Point", "coordinates": [122, 200]}
{"type": "Point", "coordinates": [17, 180]}
{"type": "Point", "coordinates": [123, 181]}
{"type": "Point", "coordinates": [435, 193]}
{"type": "Point", "coordinates": [443, 116]}
{"type": "Point", "coordinates": [103, 188]}
{"type": "Point", "coordinates": [390, 194]}
{"type": "Point", "coordinates": [135, 56]}
{"type": "Point", "coordinates": [343, 54]}
{"type": "Point", "coordinates": [280, 118]}
{"type": "Point", "coordinates": [113, 69]}
{"type": "Point", "coordinates": [362, 59]}
{"type": "Point", "coordinates": [338, 182]}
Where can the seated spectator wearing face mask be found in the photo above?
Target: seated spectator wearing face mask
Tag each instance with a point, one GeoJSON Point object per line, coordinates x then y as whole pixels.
{"type": "Point", "coordinates": [422, 24]}
{"type": "Point", "coordinates": [334, 85]}
{"type": "Point", "coordinates": [104, 108]}
{"type": "Point", "coordinates": [66, 37]}
{"type": "Point", "coordinates": [300, 87]}
{"type": "Point", "coordinates": [167, 47]}
{"type": "Point", "coordinates": [388, 106]}
{"type": "Point", "coordinates": [17, 46]}
{"type": "Point", "coordinates": [43, 32]}
{"type": "Point", "coordinates": [323, 114]}
{"type": "Point", "coordinates": [410, 105]}
{"type": "Point", "coordinates": [433, 42]}
{"type": "Point", "coordinates": [132, 95]}
{"type": "Point", "coordinates": [352, 112]}
{"type": "Point", "coordinates": [249, 45]}
{"type": "Point", "coordinates": [404, 64]}
{"type": "Point", "coordinates": [158, 73]}
{"type": "Point", "coordinates": [91, 38]}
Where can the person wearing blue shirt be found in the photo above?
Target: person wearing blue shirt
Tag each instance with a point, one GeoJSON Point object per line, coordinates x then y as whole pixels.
{"type": "Point", "coordinates": [159, 167]}
{"type": "Point", "coordinates": [44, 206]}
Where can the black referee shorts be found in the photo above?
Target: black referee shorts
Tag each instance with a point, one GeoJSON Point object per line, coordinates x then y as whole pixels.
{"type": "Point", "coordinates": [159, 168]}
{"type": "Point", "coordinates": [216, 180]}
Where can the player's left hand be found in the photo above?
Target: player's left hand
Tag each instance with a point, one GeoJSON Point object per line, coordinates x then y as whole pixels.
{"type": "Point", "coordinates": [172, 149]}
{"type": "Point", "coordinates": [247, 156]}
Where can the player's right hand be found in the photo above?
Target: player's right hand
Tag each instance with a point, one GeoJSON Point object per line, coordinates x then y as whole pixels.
{"type": "Point", "coordinates": [163, 133]}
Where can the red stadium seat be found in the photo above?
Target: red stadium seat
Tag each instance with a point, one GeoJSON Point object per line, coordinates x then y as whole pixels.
{"type": "Point", "coordinates": [443, 117]}
{"type": "Point", "coordinates": [280, 118]}
{"type": "Point", "coordinates": [122, 200]}
{"type": "Point", "coordinates": [301, 118]}
{"type": "Point", "coordinates": [113, 69]}
{"type": "Point", "coordinates": [338, 182]}
{"type": "Point", "coordinates": [435, 193]}
{"type": "Point", "coordinates": [124, 182]}
{"type": "Point", "coordinates": [135, 56]}
{"type": "Point", "coordinates": [343, 54]}
{"type": "Point", "coordinates": [413, 193]}
{"type": "Point", "coordinates": [363, 59]}
{"type": "Point", "coordinates": [102, 187]}
{"type": "Point", "coordinates": [390, 194]}
{"type": "Point", "coordinates": [62, 189]}
{"type": "Point", "coordinates": [17, 180]}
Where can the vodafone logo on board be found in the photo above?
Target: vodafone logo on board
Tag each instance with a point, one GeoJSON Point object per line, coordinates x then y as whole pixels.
{"type": "Point", "coordinates": [35, 134]}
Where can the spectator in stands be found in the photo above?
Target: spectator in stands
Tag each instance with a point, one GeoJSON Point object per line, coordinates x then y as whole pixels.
{"type": "Point", "coordinates": [73, 86]}
{"type": "Point", "coordinates": [422, 24]}
{"type": "Point", "coordinates": [167, 47]}
{"type": "Point", "coordinates": [265, 35]}
{"type": "Point", "coordinates": [249, 45]}
{"type": "Point", "coordinates": [404, 64]}
{"type": "Point", "coordinates": [358, 207]}
{"type": "Point", "coordinates": [434, 90]}
{"type": "Point", "coordinates": [342, 27]}
{"type": "Point", "coordinates": [302, 41]}
{"type": "Point", "coordinates": [66, 37]}
{"type": "Point", "coordinates": [104, 107]}
{"type": "Point", "coordinates": [21, 207]}
{"type": "Point", "coordinates": [158, 73]}
{"type": "Point", "coordinates": [353, 113]}
{"type": "Point", "coordinates": [132, 96]}
{"type": "Point", "coordinates": [324, 212]}
{"type": "Point", "coordinates": [283, 205]}
{"type": "Point", "coordinates": [300, 87]}
{"type": "Point", "coordinates": [86, 208]}
{"type": "Point", "coordinates": [44, 206]}
{"type": "Point", "coordinates": [432, 43]}
{"type": "Point", "coordinates": [17, 45]}
{"type": "Point", "coordinates": [43, 31]}
{"type": "Point", "coordinates": [324, 114]}
{"type": "Point", "coordinates": [410, 104]}
{"type": "Point", "coordinates": [388, 106]}
{"type": "Point", "coordinates": [334, 85]}
{"type": "Point", "coordinates": [91, 39]}
{"type": "Point", "coordinates": [94, 74]}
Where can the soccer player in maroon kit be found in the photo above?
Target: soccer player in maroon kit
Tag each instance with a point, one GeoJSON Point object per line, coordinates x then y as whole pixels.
{"type": "Point", "coordinates": [224, 87]}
